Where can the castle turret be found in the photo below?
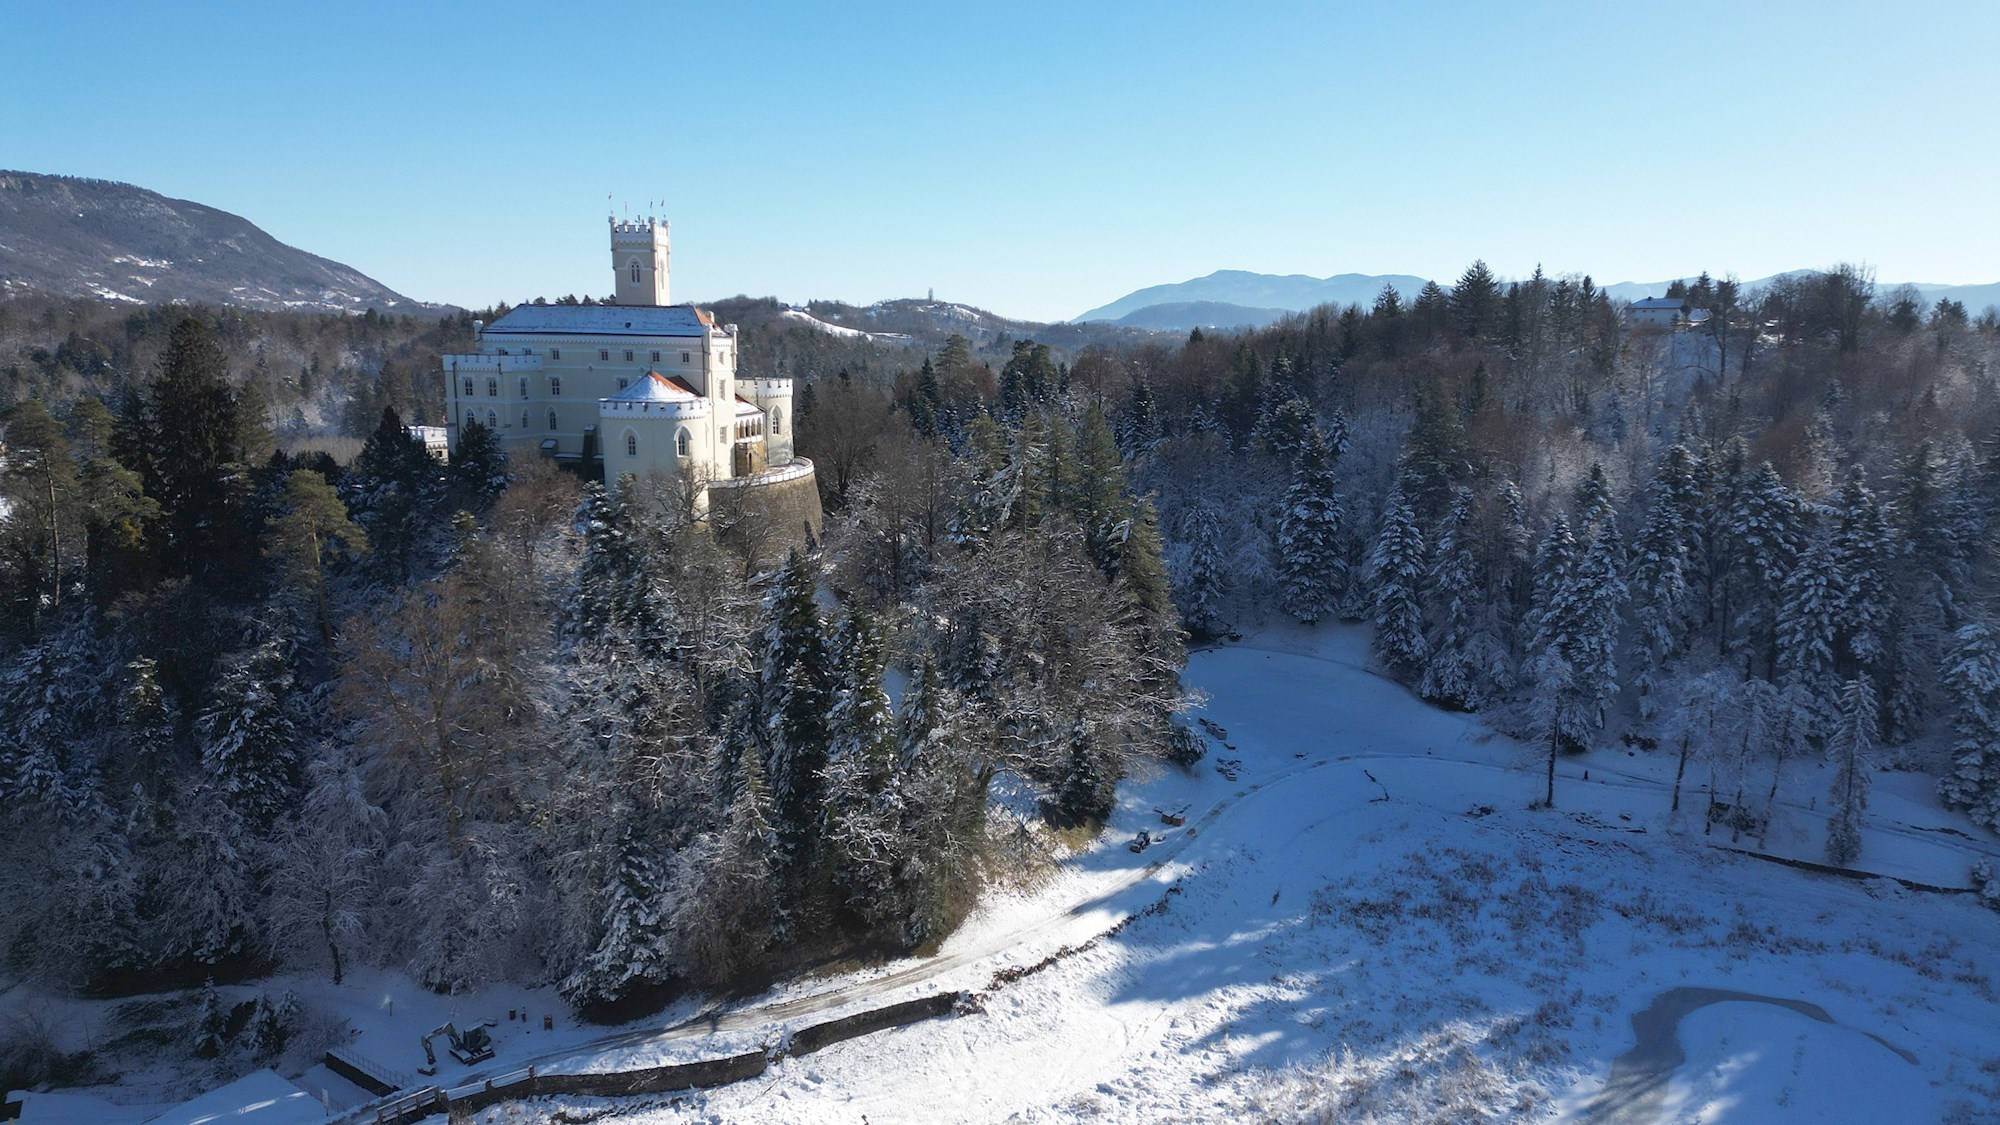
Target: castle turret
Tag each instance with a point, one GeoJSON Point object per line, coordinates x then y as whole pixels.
{"type": "Point", "coordinates": [639, 260]}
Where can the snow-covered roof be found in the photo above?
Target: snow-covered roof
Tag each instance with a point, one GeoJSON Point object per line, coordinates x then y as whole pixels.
{"type": "Point", "coordinates": [655, 387]}
{"type": "Point", "coordinates": [745, 408]}
{"type": "Point", "coordinates": [1659, 303]}
{"type": "Point", "coordinates": [602, 320]}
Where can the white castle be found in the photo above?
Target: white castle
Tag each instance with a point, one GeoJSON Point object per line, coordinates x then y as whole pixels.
{"type": "Point", "coordinates": [638, 388]}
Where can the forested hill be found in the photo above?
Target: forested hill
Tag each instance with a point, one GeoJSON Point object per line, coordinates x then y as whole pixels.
{"type": "Point", "coordinates": [73, 237]}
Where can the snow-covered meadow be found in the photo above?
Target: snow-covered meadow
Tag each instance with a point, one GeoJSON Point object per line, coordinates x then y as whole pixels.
{"type": "Point", "coordinates": [1386, 931]}
{"type": "Point", "coordinates": [1368, 921]}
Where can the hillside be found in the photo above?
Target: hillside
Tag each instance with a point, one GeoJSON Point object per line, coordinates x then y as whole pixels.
{"type": "Point", "coordinates": [64, 236]}
{"type": "Point", "coordinates": [1183, 315]}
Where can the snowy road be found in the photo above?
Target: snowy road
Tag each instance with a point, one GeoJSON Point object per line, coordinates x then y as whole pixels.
{"type": "Point", "coordinates": [1636, 1092]}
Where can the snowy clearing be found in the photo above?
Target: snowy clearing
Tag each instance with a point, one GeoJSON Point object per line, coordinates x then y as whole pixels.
{"type": "Point", "coordinates": [1367, 922]}
{"type": "Point", "coordinates": [1444, 953]}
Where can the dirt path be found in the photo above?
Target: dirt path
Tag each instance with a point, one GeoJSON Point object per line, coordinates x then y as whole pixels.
{"type": "Point", "coordinates": [1636, 1092]}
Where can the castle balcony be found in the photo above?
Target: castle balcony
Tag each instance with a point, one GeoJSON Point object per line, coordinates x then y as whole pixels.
{"type": "Point", "coordinates": [483, 364]}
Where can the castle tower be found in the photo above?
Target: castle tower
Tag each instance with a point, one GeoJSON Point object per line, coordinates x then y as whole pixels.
{"type": "Point", "coordinates": [639, 260]}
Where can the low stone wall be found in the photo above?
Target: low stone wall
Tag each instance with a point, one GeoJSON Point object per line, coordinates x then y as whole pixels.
{"type": "Point", "coordinates": [698, 1075]}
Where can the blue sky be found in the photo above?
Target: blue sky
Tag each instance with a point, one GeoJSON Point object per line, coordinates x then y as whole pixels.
{"type": "Point", "coordinates": [1036, 158]}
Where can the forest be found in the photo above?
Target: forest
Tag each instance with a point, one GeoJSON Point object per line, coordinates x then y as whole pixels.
{"type": "Point", "coordinates": [264, 708]}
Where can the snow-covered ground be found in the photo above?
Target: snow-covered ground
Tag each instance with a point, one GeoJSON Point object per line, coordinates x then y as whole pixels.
{"type": "Point", "coordinates": [1363, 919]}
{"type": "Point", "coordinates": [1384, 930]}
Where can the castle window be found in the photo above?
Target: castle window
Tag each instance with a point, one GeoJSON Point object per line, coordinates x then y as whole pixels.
{"type": "Point", "coordinates": [623, 382]}
{"type": "Point", "coordinates": [656, 357]}
{"type": "Point", "coordinates": [631, 444]}
{"type": "Point", "coordinates": [683, 441]}
{"type": "Point", "coordinates": [635, 271]}
{"type": "Point", "coordinates": [552, 419]}
{"type": "Point", "coordinates": [524, 386]}
{"type": "Point", "coordinates": [524, 419]}
{"type": "Point", "coordinates": [492, 420]}
{"type": "Point", "coordinates": [555, 353]}
{"type": "Point", "coordinates": [468, 386]}
{"type": "Point", "coordinates": [685, 357]}
{"type": "Point", "coordinates": [778, 420]}
{"type": "Point", "coordinates": [628, 355]}
{"type": "Point", "coordinates": [604, 353]}
{"type": "Point", "coordinates": [492, 388]}
{"type": "Point", "coordinates": [555, 384]}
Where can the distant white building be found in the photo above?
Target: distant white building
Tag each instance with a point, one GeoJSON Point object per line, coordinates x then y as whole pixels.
{"type": "Point", "coordinates": [1663, 312]}
{"type": "Point", "coordinates": [636, 388]}
{"type": "Point", "coordinates": [436, 439]}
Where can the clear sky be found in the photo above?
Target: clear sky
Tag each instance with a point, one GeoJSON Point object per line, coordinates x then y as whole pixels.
{"type": "Point", "coordinates": [1036, 158]}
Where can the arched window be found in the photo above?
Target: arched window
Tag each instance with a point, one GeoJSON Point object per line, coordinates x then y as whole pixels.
{"type": "Point", "coordinates": [631, 444]}
{"type": "Point", "coordinates": [524, 419]}
{"type": "Point", "coordinates": [492, 420]}
{"type": "Point", "coordinates": [468, 386]}
{"type": "Point", "coordinates": [552, 419]}
{"type": "Point", "coordinates": [524, 386]}
{"type": "Point", "coordinates": [555, 384]}
{"type": "Point", "coordinates": [777, 421]}
{"type": "Point", "coordinates": [492, 388]}
{"type": "Point", "coordinates": [683, 442]}
{"type": "Point", "coordinates": [635, 271]}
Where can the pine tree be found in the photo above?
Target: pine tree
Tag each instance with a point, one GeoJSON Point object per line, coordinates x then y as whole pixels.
{"type": "Point", "coordinates": [1139, 432]}
{"type": "Point", "coordinates": [1311, 563]}
{"type": "Point", "coordinates": [1561, 638]}
{"type": "Point", "coordinates": [1396, 574]}
{"type": "Point", "coordinates": [1848, 750]}
{"type": "Point", "coordinates": [312, 527]}
{"type": "Point", "coordinates": [1973, 677]}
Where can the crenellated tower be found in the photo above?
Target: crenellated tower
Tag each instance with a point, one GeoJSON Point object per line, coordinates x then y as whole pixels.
{"type": "Point", "coordinates": [639, 259]}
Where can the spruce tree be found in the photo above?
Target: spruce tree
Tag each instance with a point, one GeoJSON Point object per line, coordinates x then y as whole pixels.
{"type": "Point", "coordinates": [1973, 677]}
{"type": "Point", "coordinates": [1396, 575]}
{"type": "Point", "coordinates": [1809, 622]}
{"type": "Point", "coordinates": [797, 694]}
{"type": "Point", "coordinates": [250, 735]}
{"type": "Point", "coordinates": [1311, 563]}
{"type": "Point", "coordinates": [864, 815]}
{"type": "Point", "coordinates": [1660, 565]}
{"type": "Point", "coordinates": [1465, 656]}
{"type": "Point", "coordinates": [1204, 578]}
{"type": "Point", "coordinates": [1848, 749]}
{"type": "Point", "coordinates": [636, 950]}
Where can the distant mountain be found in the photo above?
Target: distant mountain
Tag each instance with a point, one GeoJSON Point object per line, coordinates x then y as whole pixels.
{"type": "Point", "coordinates": [1180, 316]}
{"type": "Point", "coordinates": [94, 238]}
{"type": "Point", "coordinates": [1263, 291]}
{"type": "Point", "coordinates": [1236, 298]}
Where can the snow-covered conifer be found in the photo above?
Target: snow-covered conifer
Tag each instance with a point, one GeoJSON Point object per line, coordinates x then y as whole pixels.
{"type": "Point", "coordinates": [1464, 652]}
{"type": "Point", "coordinates": [1853, 737]}
{"type": "Point", "coordinates": [1973, 676]}
{"type": "Point", "coordinates": [1311, 565]}
{"type": "Point", "coordinates": [250, 734]}
{"type": "Point", "coordinates": [1396, 576]}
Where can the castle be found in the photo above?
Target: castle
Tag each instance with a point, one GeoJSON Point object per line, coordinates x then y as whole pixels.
{"type": "Point", "coordinates": [638, 388]}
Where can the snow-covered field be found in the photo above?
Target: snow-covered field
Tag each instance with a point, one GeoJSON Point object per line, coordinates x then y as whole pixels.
{"type": "Point", "coordinates": [1394, 935]}
{"type": "Point", "coordinates": [1368, 922]}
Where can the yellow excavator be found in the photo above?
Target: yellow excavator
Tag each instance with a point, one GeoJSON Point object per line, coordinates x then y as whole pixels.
{"type": "Point", "coordinates": [473, 1045]}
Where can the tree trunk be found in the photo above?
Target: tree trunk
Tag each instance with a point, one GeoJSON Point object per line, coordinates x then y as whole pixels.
{"type": "Point", "coordinates": [1680, 771]}
{"type": "Point", "coordinates": [1550, 798]}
